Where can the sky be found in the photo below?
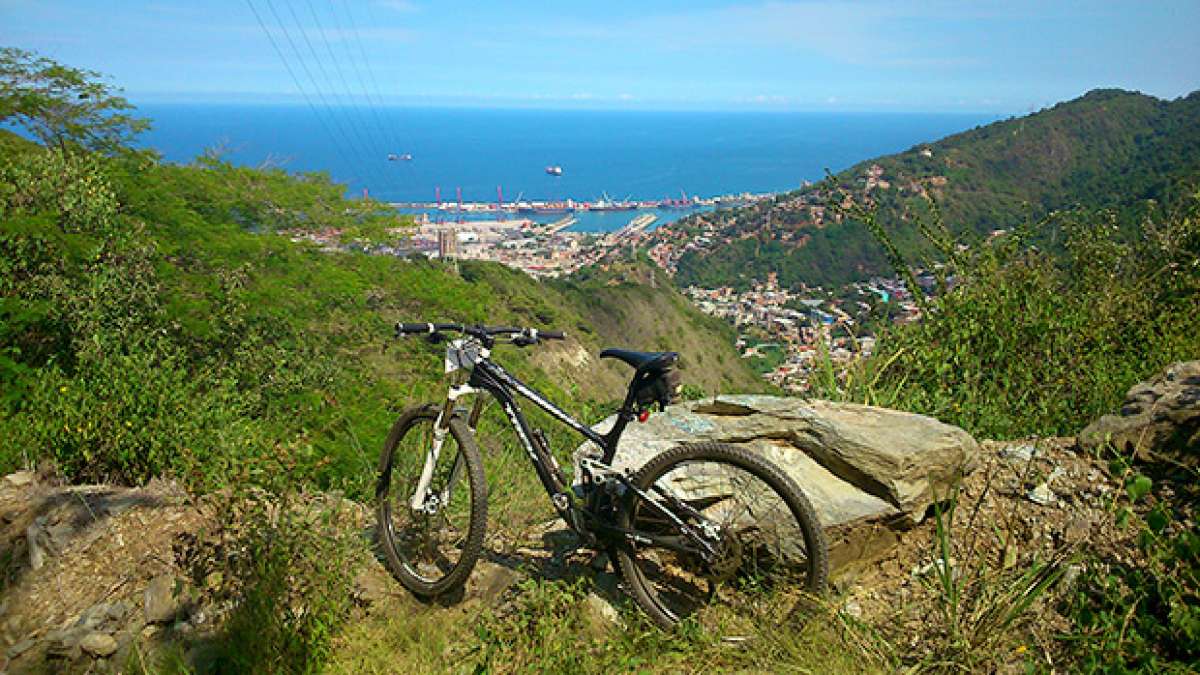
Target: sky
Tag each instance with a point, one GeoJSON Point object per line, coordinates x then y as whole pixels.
{"type": "Point", "coordinates": [1006, 57]}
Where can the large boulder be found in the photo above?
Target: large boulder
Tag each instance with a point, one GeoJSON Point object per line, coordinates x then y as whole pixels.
{"type": "Point", "coordinates": [1161, 414]}
{"type": "Point", "coordinates": [868, 471]}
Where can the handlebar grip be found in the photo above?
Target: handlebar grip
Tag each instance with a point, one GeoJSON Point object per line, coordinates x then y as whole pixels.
{"type": "Point", "coordinates": [423, 328]}
{"type": "Point", "coordinates": [551, 334]}
{"type": "Point", "coordinates": [411, 328]}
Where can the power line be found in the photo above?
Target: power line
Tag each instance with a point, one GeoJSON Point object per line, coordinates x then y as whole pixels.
{"type": "Point", "coordinates": [295, 80]}
{"type": "Point", "coordinates": [358, 117]}
{"type": "Point", "coordinates": [364, 66]}
{"type": "Point", "coordinates": [352, 135]}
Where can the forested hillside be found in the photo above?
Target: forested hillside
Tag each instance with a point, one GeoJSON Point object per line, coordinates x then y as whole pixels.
{"type": "Point", "coordinates": [1107, 149]}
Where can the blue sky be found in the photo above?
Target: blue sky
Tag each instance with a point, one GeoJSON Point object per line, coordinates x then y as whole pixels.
{"type": "Point", "coordinates": [1003, 57]}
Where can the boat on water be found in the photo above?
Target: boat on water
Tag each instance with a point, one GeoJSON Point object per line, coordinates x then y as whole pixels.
{"type": "Point", "coordinates": [554, 170]}
{"type": "Point", "coordinates": [406, 157]}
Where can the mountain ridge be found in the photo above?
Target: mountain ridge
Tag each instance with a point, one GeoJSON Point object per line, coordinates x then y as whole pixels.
{"type": "Point", "coordinates": [1109, 148]}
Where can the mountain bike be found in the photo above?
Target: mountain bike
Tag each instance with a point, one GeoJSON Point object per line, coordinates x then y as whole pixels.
{"type": "Point", "coordinates": [700, 526]}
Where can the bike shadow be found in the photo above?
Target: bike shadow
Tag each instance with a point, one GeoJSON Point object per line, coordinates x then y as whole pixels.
{"type": "Point", "coordinates": [553, 553]}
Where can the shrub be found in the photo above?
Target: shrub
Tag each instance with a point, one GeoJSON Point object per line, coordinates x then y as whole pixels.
{"type": "Point", "coordinates": [1030, 341]}
{"type": "Point", "coordinates": [286, 564]}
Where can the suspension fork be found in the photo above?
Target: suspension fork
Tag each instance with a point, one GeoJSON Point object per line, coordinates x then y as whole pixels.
{"type": "Point", "coordinates": [441, 427]}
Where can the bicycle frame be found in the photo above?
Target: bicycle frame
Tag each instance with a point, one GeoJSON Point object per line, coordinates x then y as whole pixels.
{"type": "Point", "coordinates": [490, 377]}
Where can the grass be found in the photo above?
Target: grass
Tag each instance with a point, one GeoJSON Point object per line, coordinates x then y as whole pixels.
{"type": "Point", "coordinates": [547, 628]}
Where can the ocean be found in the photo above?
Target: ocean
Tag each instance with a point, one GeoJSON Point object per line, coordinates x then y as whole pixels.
{"type": "Point", "coordinates": [636, 155]}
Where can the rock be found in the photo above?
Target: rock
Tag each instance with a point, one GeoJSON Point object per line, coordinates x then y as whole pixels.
{"type": "Point", "coordinates": [98, 644]}
{"type": "Point", "coordinates": [35, 541]}
{"type": "Point", "coordinates": [1042, 495]}
{"type": "Point", "coordinates": [1162, 413]}
{"type": "Point", "coordinates": [489, 581]}
{"type": "Point", "coordinates": [64, 644]}
{"type": "Point", "coordinates": [20, 648]}
{"type": "Point", "coordinates": [1019, 453]}
{"type": "Point", "coordinates": [94, 616]}
{"type": "Point", "coordinates": [161, 604]}
{"type": "Point", "coordinates": [20, 478]}
{"type": "Point", "coordinates": [860, 466]}
{"type": "Point", "coordinates": [373, 584]}
{"type": "Point", "coordinates": [852, 609]}
{"type": "Point", "coordinates": [599, 615]}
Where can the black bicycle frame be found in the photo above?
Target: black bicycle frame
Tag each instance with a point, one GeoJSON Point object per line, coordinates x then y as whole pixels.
{"type": "Point", "coordinates": [493, 378]}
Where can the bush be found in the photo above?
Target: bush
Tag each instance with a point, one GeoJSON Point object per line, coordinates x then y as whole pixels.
{"type": "Point", "coordinates": [286, 564]}
{"type": "Point", "coordinates": [1034, 342]}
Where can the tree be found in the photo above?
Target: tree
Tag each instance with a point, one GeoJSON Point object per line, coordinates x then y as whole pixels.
{"type": "Point", "coordinates": [63, 107]}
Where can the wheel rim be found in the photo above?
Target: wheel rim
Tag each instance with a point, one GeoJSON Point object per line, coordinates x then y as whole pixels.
{"type": "Point", "coordinates": [761, 568]}
{"type": "Point", "coordinates": [428, 542]}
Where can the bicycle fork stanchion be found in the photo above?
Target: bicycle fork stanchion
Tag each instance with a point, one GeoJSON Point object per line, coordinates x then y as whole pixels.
{"type": "Point", "coordinates": [420, 496]}
{"type": "Point", "coordinates": [441, 427]}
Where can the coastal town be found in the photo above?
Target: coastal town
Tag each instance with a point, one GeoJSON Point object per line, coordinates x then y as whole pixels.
{"type": "Point", "coordinates": [785, 333]}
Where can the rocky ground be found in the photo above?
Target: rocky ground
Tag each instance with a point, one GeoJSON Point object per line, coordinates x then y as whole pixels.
{"type": "Point", "coordinates": [94, 577]}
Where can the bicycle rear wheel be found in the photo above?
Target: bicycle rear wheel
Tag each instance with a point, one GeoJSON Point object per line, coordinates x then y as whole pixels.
{"type": "Point", "coordinates": [430, 540]}
{"type": "Point", "coordinates": [767, 553]}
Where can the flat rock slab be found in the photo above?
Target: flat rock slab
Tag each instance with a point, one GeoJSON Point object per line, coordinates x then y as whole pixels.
{"type": "Point", "coordinates": [866, 470]}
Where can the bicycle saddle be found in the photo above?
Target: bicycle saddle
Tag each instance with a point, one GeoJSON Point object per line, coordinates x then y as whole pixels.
{"type": "Point", "coordinates": [644, 361]}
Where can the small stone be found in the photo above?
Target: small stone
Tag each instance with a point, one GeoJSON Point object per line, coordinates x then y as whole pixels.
{"type": "Point", "coordinates": [98, 644]}
{"type": "Point", "coordinates": [1077, 529]}
{"type": "Point", "coordinates": [64, 643]}
{"type": "Point", "coordinates": [1042, 495]}
{"type": "Point", "coordinates": [33, 541]}
{"type": "Point", "coordinates": [20, 478]}
{"type": "Point", "coordinates": [1018, 453]}
{"type": "Point", "coordinates": [149, 631]}
{"type": "Point", "coordinates": [20, 648]}
{"type": "Point", "coordinates": [118, 610]}
{"type": "Point", "coordinates": [852, 609]}
{"type": "Point", "coordinates": [599, 614]}
{"type": "Point", "coordinates": [161, 605]}
{"type": "Point", "coordinates": [490, 581]}
{"type": "Point", "coordinates": [93, 617]}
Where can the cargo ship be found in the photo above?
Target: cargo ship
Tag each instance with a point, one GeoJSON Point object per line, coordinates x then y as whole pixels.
{"type": "Point", "coordinates": [554, 170]}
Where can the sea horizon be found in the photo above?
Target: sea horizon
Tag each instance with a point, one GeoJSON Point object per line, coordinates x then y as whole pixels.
{"type": "Point", "coordinates": [489, 153]}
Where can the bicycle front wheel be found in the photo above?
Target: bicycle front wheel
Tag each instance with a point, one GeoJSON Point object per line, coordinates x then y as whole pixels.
{"type": "Point", "coordinates": [763, 555]}
{"type": "Point", "coordinates": [431, 504]}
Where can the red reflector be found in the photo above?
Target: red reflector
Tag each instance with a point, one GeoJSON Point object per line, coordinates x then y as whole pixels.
{"type": "Point", "coordinates": [643, 415]}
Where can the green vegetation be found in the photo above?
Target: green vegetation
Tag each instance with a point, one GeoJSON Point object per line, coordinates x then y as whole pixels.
{"type": "Point", "coordinates": [1108, 149]}
{"type": "Point", "coordinates": [173, 320]}
{"type": "Point", "coordinates": [65, 108]}
{"type": "Point", "coordinates": [1034, 343]}
{"type": "Point", "coordinates": [160, 320]}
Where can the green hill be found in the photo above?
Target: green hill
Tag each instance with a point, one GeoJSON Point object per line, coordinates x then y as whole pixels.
{"type": "Point", "coordinates": [162, 318]}
{"type": "Point", "coordinates": [1107, 149]}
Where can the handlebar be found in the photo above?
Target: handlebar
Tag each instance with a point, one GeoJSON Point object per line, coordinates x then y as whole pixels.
{"type": "Point", "coordinates": [525, 335]}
